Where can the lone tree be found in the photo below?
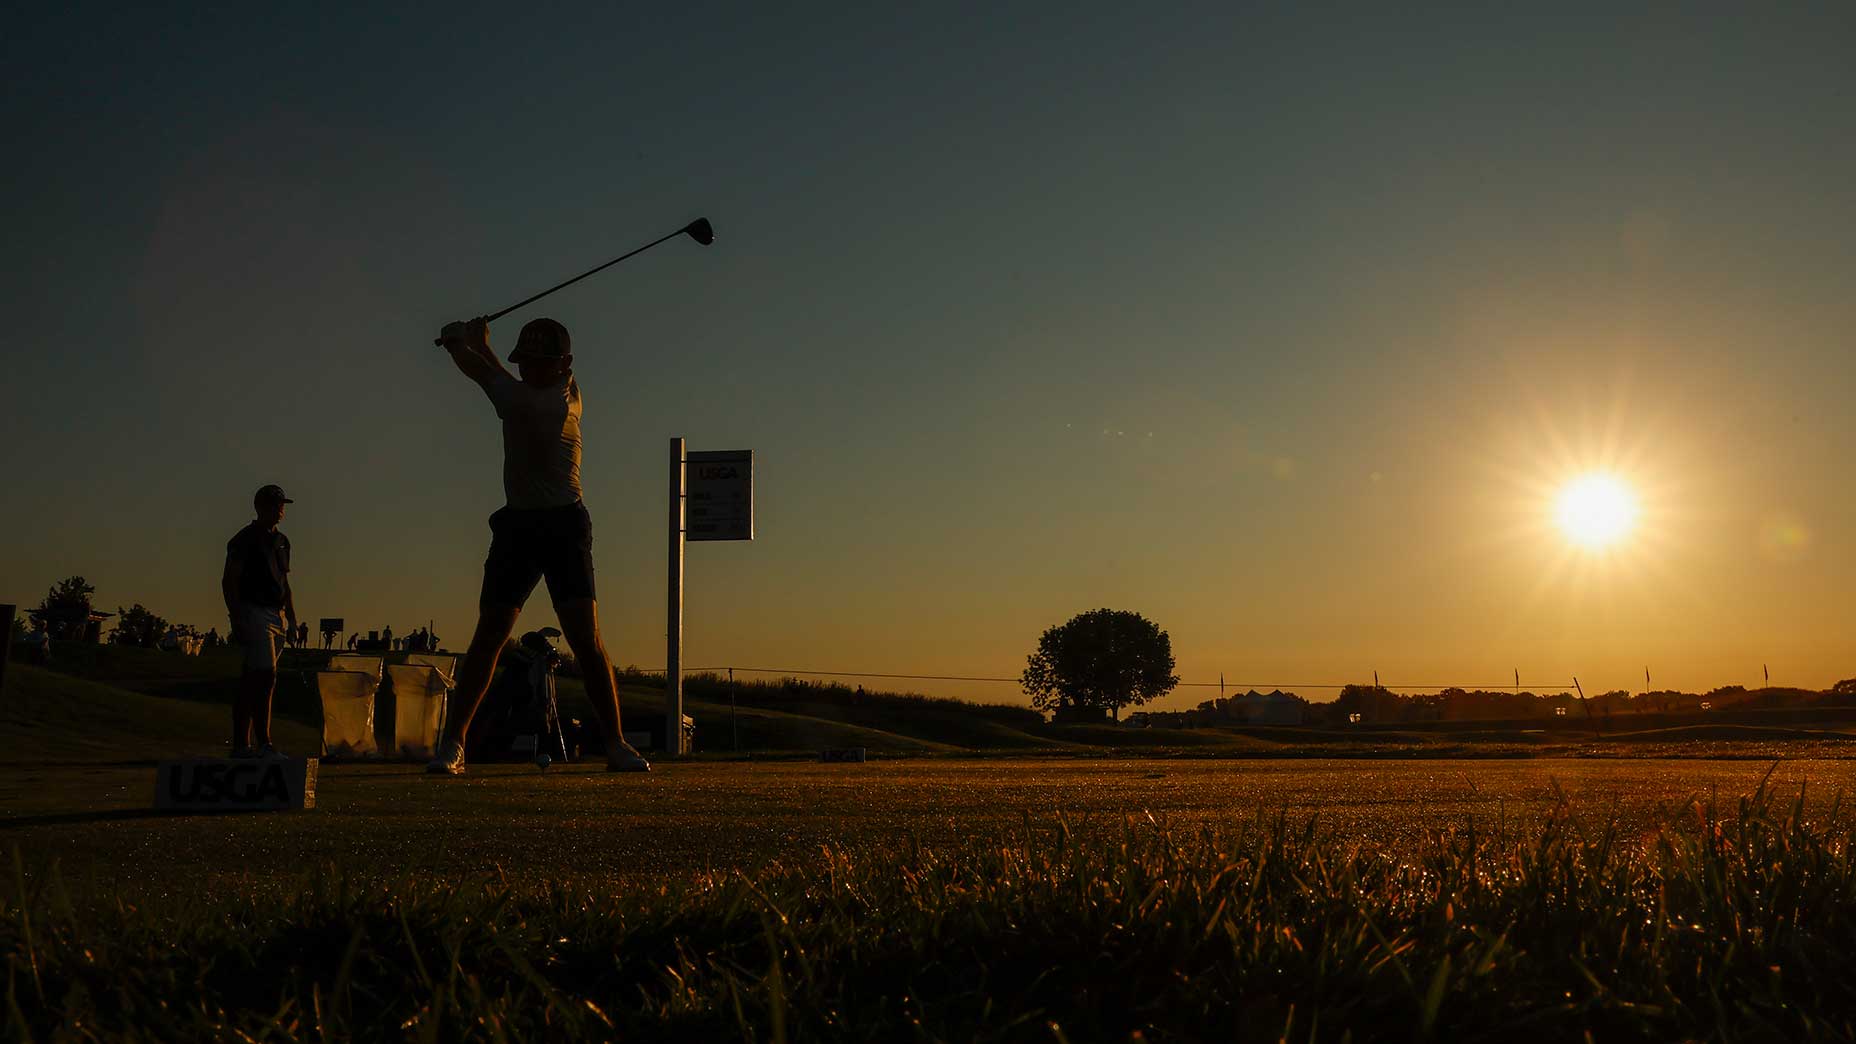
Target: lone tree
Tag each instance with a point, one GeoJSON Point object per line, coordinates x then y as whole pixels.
{"type": "Point", "coordinates": [1107, 659]}
{"type": "Point", "coordinates": [65, 610]}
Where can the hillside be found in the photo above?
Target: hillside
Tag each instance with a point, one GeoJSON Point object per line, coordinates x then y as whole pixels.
{"type": "Point", "coordinates": [50, 718]}
{"type": "Point", "coordinates": [105, 703]}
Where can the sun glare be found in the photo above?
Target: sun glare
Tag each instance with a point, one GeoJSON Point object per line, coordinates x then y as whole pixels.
{"type": "Point", "coordinates": [1595, 511]}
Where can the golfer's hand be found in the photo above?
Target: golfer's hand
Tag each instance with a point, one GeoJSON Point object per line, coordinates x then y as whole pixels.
{"type": "Point", "coordinates": [473, 335]}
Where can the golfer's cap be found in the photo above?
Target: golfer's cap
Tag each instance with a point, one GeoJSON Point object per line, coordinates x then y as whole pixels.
{"type": "Point", "coordinates": [553, 342]}
{"type": "Point", "coordinates": [272, 494]}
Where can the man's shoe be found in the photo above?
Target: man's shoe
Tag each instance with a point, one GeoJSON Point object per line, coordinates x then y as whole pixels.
{"type": "Point", "coordinates": [625, 759]}
{"type": "Point", "coordinates": [449, 762]}
{"type": "Point", "coordinates": [243, 753]}
{"type": "Point", "coordinates": [268, 751]}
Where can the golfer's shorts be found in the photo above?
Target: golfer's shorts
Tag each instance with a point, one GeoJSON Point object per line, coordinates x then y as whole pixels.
{"type": "Point", "coordinates": [528, 544]}
{"type": "Point", "coordinates": [263, 632]}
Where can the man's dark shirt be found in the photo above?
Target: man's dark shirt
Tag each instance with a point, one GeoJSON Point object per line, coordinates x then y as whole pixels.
{"type": "Point", "coordinates": [264, 559]}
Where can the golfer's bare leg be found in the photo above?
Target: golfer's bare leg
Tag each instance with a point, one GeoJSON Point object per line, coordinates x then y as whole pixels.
{"type": "Point", "coordinates": [263, 689]}
{"type": "Point", "coordinates": [241, 714]}
{"type": "Point", "coordinates": [494, 625]}
{"type": "Point", "coordinates": [580, 626]}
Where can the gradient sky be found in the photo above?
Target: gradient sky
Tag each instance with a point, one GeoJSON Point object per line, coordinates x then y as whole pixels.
{"type": "Point", "coordinates": [1279, 328]}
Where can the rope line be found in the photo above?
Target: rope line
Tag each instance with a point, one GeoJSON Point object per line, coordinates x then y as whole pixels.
{"type": "Point", "coordinates": [973, 678]}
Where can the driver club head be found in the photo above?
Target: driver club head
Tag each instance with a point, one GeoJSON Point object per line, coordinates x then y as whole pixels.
{"type": "Point", "coordinates": [701, 231]}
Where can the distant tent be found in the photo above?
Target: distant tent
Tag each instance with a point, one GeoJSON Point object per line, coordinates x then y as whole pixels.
{"type": "Point", "coordinates": [1267, 708]}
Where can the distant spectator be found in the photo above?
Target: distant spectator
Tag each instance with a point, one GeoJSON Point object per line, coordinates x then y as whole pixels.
{"type": "Point", "coordinates": [212, 638]}
{"type": "Point", "coordinates": [302, 635]}
{"type": "Point", "coordinates": [386, 638]}
{"type": "Point", "coordinates": [38, 645]}
{"type": "Point", "coordinates": [352, 638]}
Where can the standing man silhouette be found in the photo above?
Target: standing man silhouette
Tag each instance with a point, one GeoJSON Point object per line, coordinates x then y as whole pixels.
{"type": "Point", "coordinates": [256, 586]}
{"type": "Point", "coordinates": [542, 531]}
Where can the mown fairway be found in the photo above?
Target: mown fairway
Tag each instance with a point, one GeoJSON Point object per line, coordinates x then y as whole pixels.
{"type": "Point", "coordinates": [389, 820]}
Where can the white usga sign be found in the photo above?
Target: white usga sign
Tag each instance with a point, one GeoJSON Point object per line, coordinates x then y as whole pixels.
{"type": "Point", "coordinates": [719, 495]}
{"type": "Point", "coordinates": [235, 785]}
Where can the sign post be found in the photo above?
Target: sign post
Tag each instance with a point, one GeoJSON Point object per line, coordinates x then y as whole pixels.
{"type": "Point", "coordinates": [673, 651]}
{"type": "Point", "coordinates": [714, 503]}
{"type": "Point", "coordinates": [6, 643]}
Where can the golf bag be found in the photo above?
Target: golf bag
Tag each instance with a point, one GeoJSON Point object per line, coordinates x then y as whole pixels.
{"type": "Point", "coordinates": [519, 719]}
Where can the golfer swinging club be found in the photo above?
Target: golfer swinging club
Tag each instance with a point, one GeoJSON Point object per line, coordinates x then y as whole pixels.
{"type": "Point", "coordinates": [543, 531]}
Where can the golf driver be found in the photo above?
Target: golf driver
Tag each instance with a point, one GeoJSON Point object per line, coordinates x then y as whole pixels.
{"type": "Point", "coordinates": [700, 230]}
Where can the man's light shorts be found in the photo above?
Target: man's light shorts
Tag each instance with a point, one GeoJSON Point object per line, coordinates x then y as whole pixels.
{"type": "Point", "coordinates": [263, 635]}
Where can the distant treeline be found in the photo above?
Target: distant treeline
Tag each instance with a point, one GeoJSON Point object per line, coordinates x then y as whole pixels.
{"type": "Point", "coordinates": [1367, 704]}
{"type": "Point", "coordinates": [1373, 705]}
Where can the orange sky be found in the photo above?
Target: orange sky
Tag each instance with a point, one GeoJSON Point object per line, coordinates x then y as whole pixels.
{"type": "Point", "coordinates": [1280, 330]}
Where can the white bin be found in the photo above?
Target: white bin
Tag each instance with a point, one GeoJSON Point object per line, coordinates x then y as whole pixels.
{"type": "Point", "coordinates": [418, 710]}
{"type": "Point", "coordinates": [347, 713]}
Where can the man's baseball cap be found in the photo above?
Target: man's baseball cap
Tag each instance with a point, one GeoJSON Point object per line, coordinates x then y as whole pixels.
{"type": "Point", "coordinates": [553, 342]}
{"type": "Point", "coordinates": [270, 494]}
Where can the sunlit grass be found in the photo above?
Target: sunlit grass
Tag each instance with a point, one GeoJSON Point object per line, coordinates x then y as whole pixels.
{"type": "Point", "coordinates": [1720, 924]}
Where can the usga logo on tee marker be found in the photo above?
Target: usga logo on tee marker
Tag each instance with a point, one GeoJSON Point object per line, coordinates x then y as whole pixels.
{"type": "Point", "coordinates": [225, 785]}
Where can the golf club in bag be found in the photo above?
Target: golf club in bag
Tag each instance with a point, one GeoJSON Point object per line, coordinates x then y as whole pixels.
{"type": "Point", "coordinates": [520, 719]}
{"type": "Point", "coordinates": [700, 230]}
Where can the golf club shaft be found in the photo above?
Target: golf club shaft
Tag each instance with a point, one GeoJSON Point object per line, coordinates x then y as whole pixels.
{"type": "Point", "coordinates": [575, 279]}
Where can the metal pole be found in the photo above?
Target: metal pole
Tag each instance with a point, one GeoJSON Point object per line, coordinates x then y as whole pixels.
{"type": "Point", "coordinates": [673, 631]}
{"type": "Point", "coordinates": [733, 726]}
{"type": "Point", "coordinates": [1587, 704]}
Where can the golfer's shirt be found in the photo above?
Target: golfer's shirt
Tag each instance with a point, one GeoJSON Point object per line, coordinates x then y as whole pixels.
{"type": "Point", "coordinates": [264, 560]}
{"type": "Point", "coordinates": [541, 441]}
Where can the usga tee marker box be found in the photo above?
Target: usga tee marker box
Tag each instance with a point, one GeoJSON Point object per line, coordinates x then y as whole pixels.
{"type": "Point", "coordinates": [235, 785]}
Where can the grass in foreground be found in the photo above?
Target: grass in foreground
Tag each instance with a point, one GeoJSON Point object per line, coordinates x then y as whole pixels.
{"type": "Point", "coordinates": [1723, 927]}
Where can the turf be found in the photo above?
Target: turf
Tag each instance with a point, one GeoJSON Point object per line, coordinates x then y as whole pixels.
{"type": "Point", "coordinates": [1728, 923]}
{"type": "Point", "coordinates": [933, 898]}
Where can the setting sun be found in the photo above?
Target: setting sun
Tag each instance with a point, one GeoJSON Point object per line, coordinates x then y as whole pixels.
{"type": "Point", "coordinates": [1595, 511]}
